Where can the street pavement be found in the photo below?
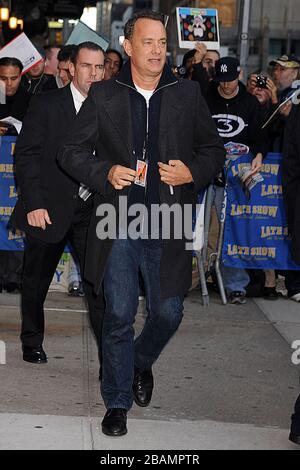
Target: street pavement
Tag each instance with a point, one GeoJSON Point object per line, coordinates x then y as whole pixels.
{"type": "Point", "coordinates": [225, 381]}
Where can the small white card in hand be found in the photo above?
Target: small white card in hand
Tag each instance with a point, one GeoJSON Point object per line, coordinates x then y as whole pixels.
{"type": "Point", "coordinates": [141, 170]}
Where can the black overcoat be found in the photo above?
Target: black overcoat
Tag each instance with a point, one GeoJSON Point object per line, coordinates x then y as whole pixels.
{"type": "Point", "coordinates": [291, 179]}
{"type": "Point", "coordinates": [41, 181]}
{"type": "Point", "coordinates": [186, 132]}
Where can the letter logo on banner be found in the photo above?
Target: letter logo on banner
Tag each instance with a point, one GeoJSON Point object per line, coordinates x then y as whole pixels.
{"type": "Point", "coordinates": [256, 234]}
{"type": "Point", "coordinates": [9, 241]}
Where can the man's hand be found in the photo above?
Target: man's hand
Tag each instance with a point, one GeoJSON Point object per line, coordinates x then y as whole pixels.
{"type": "Point", "coordinates": [39, 218]}
{"type": "Point", "coordinates": [256, 164]}
{"type": "Point", "coordinates": [273, 89]}
{"type": "Point", "coordinates": [3, 130]}
{"type": "Point", "coordinates": [175, 173]}
{"type": "Point", "coordinates": [286, 109]}
{"type": "Point", "coordinates": [120, 176]}
{"type": "Point", "coordinates": [201, 50]}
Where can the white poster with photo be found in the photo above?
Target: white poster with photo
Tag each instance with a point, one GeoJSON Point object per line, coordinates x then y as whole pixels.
{"type": "Point", "coordinates": [23, 49]}
{"type": "Point", "coordinates": [198, 25]}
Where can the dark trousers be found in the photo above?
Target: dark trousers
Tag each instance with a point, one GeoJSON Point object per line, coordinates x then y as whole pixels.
{"type": "Point", "coordinates": [40, 262]}
{"type": "Point", "coordinates": [11, 266]}
{"type": "Point", "coordinates": [296, 418]}
{"type": "Point", "coordinates": [121, 288]}
{"type": "Point", "coordinates": [292, 282]}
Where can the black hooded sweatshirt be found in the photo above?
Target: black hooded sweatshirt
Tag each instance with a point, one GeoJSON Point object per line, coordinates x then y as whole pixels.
{"type": "Point", "coordinates": [238, 119]}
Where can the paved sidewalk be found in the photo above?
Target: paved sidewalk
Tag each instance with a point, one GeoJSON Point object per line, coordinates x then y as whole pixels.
{"type": "Point", "coordinates": [225, 381]}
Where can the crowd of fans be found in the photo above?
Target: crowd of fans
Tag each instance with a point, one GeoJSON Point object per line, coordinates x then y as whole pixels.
{"type": "Point", "coordinates": [222, 84]}
{"type": "Point", "coordinates": [227, 99]}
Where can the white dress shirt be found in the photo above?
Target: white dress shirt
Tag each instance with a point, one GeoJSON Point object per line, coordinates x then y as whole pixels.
{"type": "Point", "coordinates": [78, 99]}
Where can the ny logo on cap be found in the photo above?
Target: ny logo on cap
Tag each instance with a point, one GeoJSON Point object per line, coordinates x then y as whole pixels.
{"type": "Point", "coordinates": [224, 68]}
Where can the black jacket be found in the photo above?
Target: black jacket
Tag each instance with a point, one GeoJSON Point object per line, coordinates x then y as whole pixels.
{"type": "Point", "coordinates": [38, 85]}
{"type": "Point", "coordinates": [42, 183]}
{"type": "Point", "coordinates": [186, 132]}
{"type": "Point", "coordinates": [291, 179]}
{"type": "Point", "coordinates": [277, 126]}
{"type": "Point", "coordinates": [239, 119]}
{"type": "Point", "coordinates": [16, 105]}
{"type": "Point", "coordinates": [200, 75]}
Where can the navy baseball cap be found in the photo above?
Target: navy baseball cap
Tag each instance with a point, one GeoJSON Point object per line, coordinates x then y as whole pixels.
{"type": "Point", "coordinates": [227, 69]}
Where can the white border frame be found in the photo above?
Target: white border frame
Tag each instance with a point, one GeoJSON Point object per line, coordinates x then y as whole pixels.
{"type": "Point", "coordinates": [211, 45]}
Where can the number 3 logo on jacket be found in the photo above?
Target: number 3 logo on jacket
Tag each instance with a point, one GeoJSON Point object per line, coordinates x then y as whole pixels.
{"type": "Point", "coordinates": [229, 125]}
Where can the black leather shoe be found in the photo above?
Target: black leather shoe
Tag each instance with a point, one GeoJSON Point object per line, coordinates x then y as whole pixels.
{"type": "Point", "coordinates": [34, 355]}
{"type": "Point", "coordinates": [12, 287]}
{"type": "Point", "coordinates": [295, 426]}
{"type": "Point", "coordinates": [295, 438]}
{"type": "Point", "coordinates": [142, 387]}
{"type": "Point", "coordinates": [270, 293]}
{"type": "Point", "coordinates": [114, 422]}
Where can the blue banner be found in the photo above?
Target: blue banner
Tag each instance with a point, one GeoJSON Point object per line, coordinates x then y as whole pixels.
{"type": "Point", "coordinates": [256, 233]}
{"type": "Point", "coordinates": [9, 240]}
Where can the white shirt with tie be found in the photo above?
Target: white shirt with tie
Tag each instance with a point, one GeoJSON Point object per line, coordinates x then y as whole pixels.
{"type": "Point", "coordinates": [84, 192]}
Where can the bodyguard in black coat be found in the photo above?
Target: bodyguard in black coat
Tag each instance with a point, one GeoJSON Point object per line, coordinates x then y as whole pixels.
{"type": "Point", "coordinates": [144, 119]}
{"type": "Point", "coordinates": [41, 181]}
{"type": "Point", "coordinates": [49, 208]}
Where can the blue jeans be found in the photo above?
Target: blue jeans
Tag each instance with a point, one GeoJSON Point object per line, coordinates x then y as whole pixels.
{"type": "Point", "coordinates": [234, 279]}
{"type": "Point", "coordinates": [74, 272]}
{"type": "Point", "coordinates": [121, 289]}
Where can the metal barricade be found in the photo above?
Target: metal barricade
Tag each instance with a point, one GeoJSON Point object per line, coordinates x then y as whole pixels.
{"type": "Point", "coordinates": [214, 261]}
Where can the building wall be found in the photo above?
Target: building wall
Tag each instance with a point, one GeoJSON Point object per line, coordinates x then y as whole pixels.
{"type": "Point", "coordinates": [275, 30]}
{"type": "Point", "coordinates": [274, 26]}
{"type": "Point", "coordinates": [282, 14]}
{"type": "Point", "coordinates": [226, 9]}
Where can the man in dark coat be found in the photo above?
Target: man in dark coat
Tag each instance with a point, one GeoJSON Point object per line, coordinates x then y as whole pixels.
{"type": "Point", "coordinates": [291, 192]}
{"type": "Point", "coordinates": [36, 81]}
{"type": "Point", "coordinates": [16, 103]}
{"type": "Point", "coordinates": [50, 209]}
{"type": "Point", "coordinates": [291, 180]}
{"type": "Point", "coordinates": [17, 99]}
{"type": "Point", "coordinates": [155, 143]}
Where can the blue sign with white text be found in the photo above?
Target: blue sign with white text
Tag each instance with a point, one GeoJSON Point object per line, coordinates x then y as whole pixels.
{"type": "Point", "coordinates": [9, 239]}
{"type": "Point", "coordinates": [256, 233]}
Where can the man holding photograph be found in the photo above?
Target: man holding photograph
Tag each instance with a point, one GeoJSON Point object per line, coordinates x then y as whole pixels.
{"type": "Point", "coordinates": [239, 118]}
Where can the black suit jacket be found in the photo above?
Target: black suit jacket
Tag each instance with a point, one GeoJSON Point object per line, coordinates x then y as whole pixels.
{"type": "Point", "coordinates": [41, 182]}
{"type": "Point", "coordinates": [186, 132]}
